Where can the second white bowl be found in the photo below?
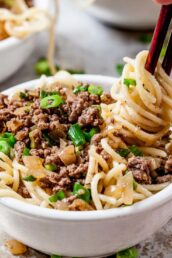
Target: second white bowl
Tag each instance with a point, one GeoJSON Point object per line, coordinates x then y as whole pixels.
{"type": "Point", "coordinates": [132, 14]}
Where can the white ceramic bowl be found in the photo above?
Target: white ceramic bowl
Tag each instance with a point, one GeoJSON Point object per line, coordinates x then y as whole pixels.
{"type": "Point", "coordinates": [133, 14]}
{"type": "Point", "coordinates": [15, 52]}
{"type": "Point", "coordinates": [87, 233]}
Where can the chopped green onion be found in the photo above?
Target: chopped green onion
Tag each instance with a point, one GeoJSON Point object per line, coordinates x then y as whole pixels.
{"type": "Point", "coordinates": [51, 167]}
{"type": "Point", "coordinates": [76, 135]}
{"type": "Point", "coordinates": [44, 94]}
{"type": "Point", "coordinates": [91, 133]}
{"type": "Point", "coordinates": [123, 152]}
{"type": "Point", "coordinates": [81, 192]}
{"type": "Point", "coordinates": [134, 184]}
{"type": "Point", "coordinates": [29, 178]}
{"type": "Point", "coordinates": [56, 256]}
{"type": "Point", "coordinates": [145, 38]}
{"type": "Point", "coordinates": [129, 82]}
{"type": "Point", "coordinates": [22, 95]}
{"type": "Point", "coordinates": [4, 147]}
{"type": "Point", "coordinates": [80, 88]}
{"type": "Point", "coordinates": [119, 68]}
{"type": "Point", "coordinates": [96, 90]}
{"type": "Point", "coordinates": [51, 101]}
{"type": "Point", "coordinates": [57, 196]}
{"type": "Point", "coordinates": [135, 150]}
{"type": "Point", "coordinates": [8, 137]}
{"type": "Point", "coordinates": [128, 253]}
{"type": "Point", "coordinates": [26, 152]}
{"type": "Point", "coordinates": [42, 67]}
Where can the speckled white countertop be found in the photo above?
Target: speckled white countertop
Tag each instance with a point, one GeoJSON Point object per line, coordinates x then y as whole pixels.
{"type": "Point", "coordinates": [85, 43]}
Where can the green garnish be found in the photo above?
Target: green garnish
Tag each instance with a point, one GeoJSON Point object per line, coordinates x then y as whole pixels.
{"type": "Point", "coordinates": [123, 152]}
{"type": "Point", "coordinates": [51, 167]}
{"type": "Point", "coordinates": [44, 94]}
{"type": "Point", "coordinates": [135, 150]}
{"type": "Point", "coordinates": [119, 68]}
{"type": "Point", "coordinates": [26, 152]}
{"type": "Point", "coordinates": [91, 133]}
{"type": "Point", "coordinates": [96, 90]}
{"type": "Point", "coordinates": [51, 101]}
{"type": "Point", "coordinates": [22, 95]}
{"type": "Point", "coordinates": [81, 192]}
{"type": "Point", "coordinates": [57, 196]}
{"type": "Point", "coordinates": [29, 178]}
{"type": "Point", "coordinates": [42, 67]}
{"type": "Point", "coordinates": [9, 138]}
{"type": "Point", "coordinates": [32, 141]}
{"type": "Point", "coordinates": [80, 88]}
{"type": "Point", "coordinates": [4, 147]}
{"type": "Point", "coordinates": [145, 38]}
{"type": "Point", "coordinates": [76, 135]}
{"type": "Point", "coordinates": [134, 184]}
{"type": "Point", "coordinates": [56, 256]}
{"type": "Point", "coordinates": [129, 82]}
{"type": "Point", "coordinates": [128, 253]}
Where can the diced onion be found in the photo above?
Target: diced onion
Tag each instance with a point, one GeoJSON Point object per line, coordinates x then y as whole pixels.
{"type": "Point", "coordinates": [67, 155]}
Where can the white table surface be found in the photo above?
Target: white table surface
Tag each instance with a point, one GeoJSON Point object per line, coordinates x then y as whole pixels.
{"type": "Point", "coordinates": [85, 43]}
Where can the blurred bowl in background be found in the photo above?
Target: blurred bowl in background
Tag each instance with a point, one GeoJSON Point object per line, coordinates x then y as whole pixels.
{"type": "Point", "coordinates": [131, 14]}
{"type": "Point", "coordinates": [14, 52]}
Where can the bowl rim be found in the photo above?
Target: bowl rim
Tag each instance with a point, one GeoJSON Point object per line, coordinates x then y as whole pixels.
{"type": "Point", "coordinates": [151, 203]}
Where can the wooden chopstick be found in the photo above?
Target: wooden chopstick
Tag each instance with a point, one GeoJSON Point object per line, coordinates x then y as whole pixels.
{"type": "Point", "coordinates": [158, 37]}
{"type": "Point", "coordinates": [167, 62]}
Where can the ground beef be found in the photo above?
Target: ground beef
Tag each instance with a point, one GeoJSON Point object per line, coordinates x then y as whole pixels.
{"type": "Point", "coordinates": [80, 205]}
{"type": "Point", "coordinates": [107, 99]}
{"type": "Point", "coordinates": [58, 130]}
{"type": "Point", "coordinates": [141, 168]}
{"type": "Point", "coordinates": [77, 106]}
{"type": "Point", "coordinates": [168, 165]}
{"type": "Point", "coordinates": [36, 137]}
{"type": "Point", "coordinates": [22, 134]}
{"type": "Point", "coordinates": [64, 178]}
{"type": "Point", "coordinates": [3, 99]}
{"type": "Point", "coordinates": [75, 171]}
{"type": "Point", "coordinates": [90, 117]}
{"type": "Point", "coordinates": [96, 139]}
{"type": "Point", "coordinates": [164, 179]}
{"type": "Point", "coordinates": [19, 147]}
{"type": "Point", "coordinates": [22, 190]}
{"type": "Point", "coordinates": [37, 152]}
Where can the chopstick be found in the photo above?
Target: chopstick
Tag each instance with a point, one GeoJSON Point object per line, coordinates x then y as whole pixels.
{"type": "Point", "coordinates": [158, 40]}
{"type": "Point", "coordinates": [167, 62]}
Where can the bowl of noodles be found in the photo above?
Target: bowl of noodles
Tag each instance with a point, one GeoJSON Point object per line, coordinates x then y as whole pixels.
{"type": "Point", "coordinates": [85, 160]}
{"type": "Point", "coordinates": [20, 23]}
